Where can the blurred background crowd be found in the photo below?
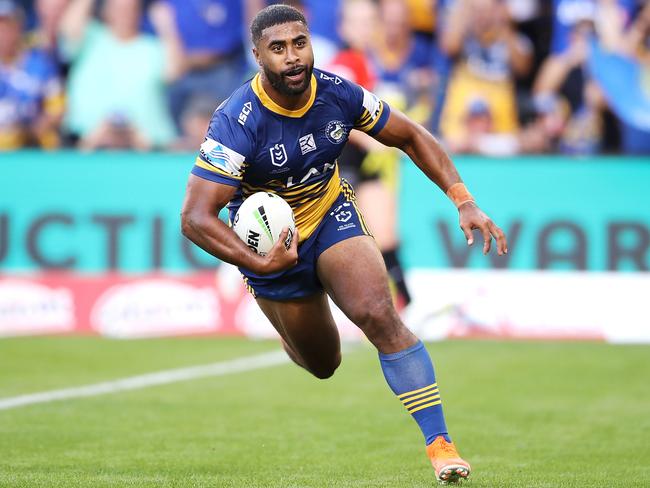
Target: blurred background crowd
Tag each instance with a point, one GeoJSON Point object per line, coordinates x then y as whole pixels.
{"type": "Point", "coordinates": [492, 77]}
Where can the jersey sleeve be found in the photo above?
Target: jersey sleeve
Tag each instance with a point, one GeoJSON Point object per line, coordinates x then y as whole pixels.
{"type": "Point", "coordinates": [223, 155]}
{"type": "Point", "coordinates": [369, 112]}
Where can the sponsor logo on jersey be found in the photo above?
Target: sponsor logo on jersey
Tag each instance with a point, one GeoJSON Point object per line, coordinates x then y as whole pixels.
{"type": "Point", "coordinates": [311, 173]}
{"type": "Point", "coordinates": [335, 132]}
{"type": "Point", "coordinates": [307, 144]}
{"type": "Point", "coordinates": [215, 154]}
{"type": "Point", "coordinates": [221, 156]}
{"type": "Point", "coordinates": [245, 112]}
{"type": "Point", "coordinates": [335, 79]}
{"type": "Point", "coordinates": [278, 155]}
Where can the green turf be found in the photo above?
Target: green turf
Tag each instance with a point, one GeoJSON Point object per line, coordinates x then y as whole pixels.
{"type": "Point", "coordinates": [524, 414]}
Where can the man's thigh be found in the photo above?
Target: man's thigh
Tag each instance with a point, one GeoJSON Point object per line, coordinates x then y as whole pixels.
{"type": "Point", "coordinates": [354, 275]}
{"type": "Point", "coordinates": [307, 326]}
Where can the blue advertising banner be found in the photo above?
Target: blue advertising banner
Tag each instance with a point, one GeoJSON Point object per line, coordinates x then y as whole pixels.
{"type": "Point", "coordinates": [95, 212]}
{"type": "Point", "coordinates": [101, 212]}
{"type": "Point", "coordinates": [558, 213]}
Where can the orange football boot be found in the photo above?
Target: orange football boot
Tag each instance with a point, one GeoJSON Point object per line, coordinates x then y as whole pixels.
{"type": "Point", "coordinates": [447, 463]}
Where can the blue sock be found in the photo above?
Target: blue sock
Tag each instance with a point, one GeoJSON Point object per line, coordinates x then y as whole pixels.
{"type": "Point", "coordinates": [410, 375]}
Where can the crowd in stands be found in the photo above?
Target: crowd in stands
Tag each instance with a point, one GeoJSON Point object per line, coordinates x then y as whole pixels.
{"type": "Point", "coordinates": [491, 77]}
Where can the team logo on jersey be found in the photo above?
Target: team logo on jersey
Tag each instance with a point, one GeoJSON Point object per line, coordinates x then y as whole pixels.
{"type": "Point", "coordinates": [307, 144]}
{"type": "Point", "coordinates": [278, 155]}
{"type": "Point", "coordinates": [335, 132]}
{"type": "Point", "coordinates": [342, 215]}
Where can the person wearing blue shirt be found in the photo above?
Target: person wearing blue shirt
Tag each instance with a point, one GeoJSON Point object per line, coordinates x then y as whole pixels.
{"type": "Point", "coordinates": [281, 132]}
{"type": "Point", "coordinates": [212, 34]}
{"type": "Point", "coordinates": [568, 13]}
{"type": "Point", "coordinates": [31, 92]}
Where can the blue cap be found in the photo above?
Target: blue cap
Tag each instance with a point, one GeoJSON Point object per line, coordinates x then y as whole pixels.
{"type": "Point", "coordinates": [478, 106]}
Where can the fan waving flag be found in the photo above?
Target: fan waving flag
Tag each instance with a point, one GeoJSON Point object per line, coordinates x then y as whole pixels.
{"type": "Point", "coordinates": [626, 88]}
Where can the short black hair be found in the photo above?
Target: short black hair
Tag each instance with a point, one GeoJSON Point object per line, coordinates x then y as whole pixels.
{"type": "Point", "coordinates": [274, 15]}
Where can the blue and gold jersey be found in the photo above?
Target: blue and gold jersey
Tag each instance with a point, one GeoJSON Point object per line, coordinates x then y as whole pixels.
{"type": "Point", "coordinates": [256, 145]}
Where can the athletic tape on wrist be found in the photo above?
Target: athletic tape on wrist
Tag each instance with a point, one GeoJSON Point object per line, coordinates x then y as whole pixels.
{"type": "Point", "coordinates": [459, 194]}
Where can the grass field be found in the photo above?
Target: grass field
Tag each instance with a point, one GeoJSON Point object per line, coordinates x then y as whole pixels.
{"type": "Point", "coordinates": [524, 414]}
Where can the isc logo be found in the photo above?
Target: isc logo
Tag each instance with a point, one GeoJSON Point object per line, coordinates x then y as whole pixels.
{"type": "Point", "coordinates": [245, 111]}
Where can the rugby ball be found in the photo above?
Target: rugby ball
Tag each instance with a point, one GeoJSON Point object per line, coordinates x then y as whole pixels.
{"type": "Point", "coordinates": [260, 220]}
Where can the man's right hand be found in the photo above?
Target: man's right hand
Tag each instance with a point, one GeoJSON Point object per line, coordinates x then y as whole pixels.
{"type": "Point", "coordinates": [279, 257]}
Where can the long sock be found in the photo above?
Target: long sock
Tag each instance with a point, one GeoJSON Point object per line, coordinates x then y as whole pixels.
{"type": "Point", "coordinates": [395, 271]}
{"type": "Point", "coordinates": [410, 375]}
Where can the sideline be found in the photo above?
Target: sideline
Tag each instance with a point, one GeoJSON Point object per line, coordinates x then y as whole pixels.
{"type": "Point", "coordinates": [222, 368]}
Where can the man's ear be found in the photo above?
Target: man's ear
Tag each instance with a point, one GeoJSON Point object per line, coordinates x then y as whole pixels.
{"type": "Point", "coordinates": [257, 56]}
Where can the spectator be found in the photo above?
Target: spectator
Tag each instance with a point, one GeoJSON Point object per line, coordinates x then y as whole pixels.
{"type": "Point", "coordinates": [489, 55]}
{"type": "Point", "coordinates": [402, 62]}
{"type": "Point", "coordinates": [323, 18]}
{"type": "Point", "coordinates": [544, 132]}
{"type": "Point", "coordinates": [567, 13]}
{"type": "Point", "coordinates": [357, 29]}
{"type": "Point", "coordinates": [619, 63]}
{"type": "Point", "coordinates": [423, 15]}
{"type": "Point", "coordinates": [364, 162]}
{"type": "Point", "coordinates": [212, 34]}
{"type": "Point", "coordinates": [48, 17]}
{"type": "Point", "coordinates": [478, 135]}
{"type": "Point", "coordinates": [565, 75]}
{"type": "Point", "coordinates": [195, 120]}
{"type": "Point", "coordinates": [31, 97]}
{"type": "Point", "coordinates": [116, 85]}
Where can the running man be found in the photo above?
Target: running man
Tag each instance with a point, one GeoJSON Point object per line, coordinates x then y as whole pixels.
{"type": "Point", "coordinates": [282, 132]}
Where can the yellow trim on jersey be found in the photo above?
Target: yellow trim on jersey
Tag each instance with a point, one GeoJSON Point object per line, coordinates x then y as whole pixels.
{"type": "Point", "coordinates": [202, 164]}
{"type": "Point", "coordinates": [417, 391]}
{"type": "Point", "coordinates": [366, 123]}
{"type": "Point", "coordinates": [309, 215]}
{"type": "Point", "coordinates": [426, 405]}
{"type": "Point", "coordinates": [257, 87]}
{"type": "Point", "coordinates": [310, 203]}
{"type": "Point", "coordinates": [350, 196]}
{"type": "Point", "coordinates": [249, 288]}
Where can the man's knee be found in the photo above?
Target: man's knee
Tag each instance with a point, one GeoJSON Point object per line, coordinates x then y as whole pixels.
{"type": "Point", "coordinates": [375, 317]}
{"type": "Point", "coordinates": [381, 324]}
{"type": "Point", "coordinates": [325, 369]}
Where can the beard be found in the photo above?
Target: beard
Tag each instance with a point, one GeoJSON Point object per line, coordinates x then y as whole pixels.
{"type": "Point", "coordinates": [278, 80]}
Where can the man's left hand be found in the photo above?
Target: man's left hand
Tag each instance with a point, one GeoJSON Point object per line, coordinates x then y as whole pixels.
{"type": "Point", "coordinates": [471, 217]}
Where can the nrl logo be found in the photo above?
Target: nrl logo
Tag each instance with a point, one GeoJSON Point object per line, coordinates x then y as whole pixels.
{"type": "Point", "coordinates": [278, 155]}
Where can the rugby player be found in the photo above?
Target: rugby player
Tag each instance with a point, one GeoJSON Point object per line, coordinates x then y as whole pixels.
{"type": "Point", "coordinates": [282, 132]}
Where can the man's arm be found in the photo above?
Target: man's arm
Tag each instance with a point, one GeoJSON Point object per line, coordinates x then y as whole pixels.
{"type": "Point", "coordinates": [162, 18]}
{"type": "Point", "coordinates": [430, 157]}
{"type": "Point", "coordinates": [75, 18]}
{"type": "Point", "coordinates": [200, 223]}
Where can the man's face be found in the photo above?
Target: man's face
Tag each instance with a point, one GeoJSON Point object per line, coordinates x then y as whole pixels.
{"type": "Point", "coordinates": [123, 16]}
{"type": "Point", "coordinates": [358, 23]}
{"type": "Point", "coordinates": [49, 12]}
{"type": "Point", "coordinates": [285, 54]}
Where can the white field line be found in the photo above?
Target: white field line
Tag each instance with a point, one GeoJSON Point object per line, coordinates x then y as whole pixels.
{"type": "Point", "coordinates": [247, 363]}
